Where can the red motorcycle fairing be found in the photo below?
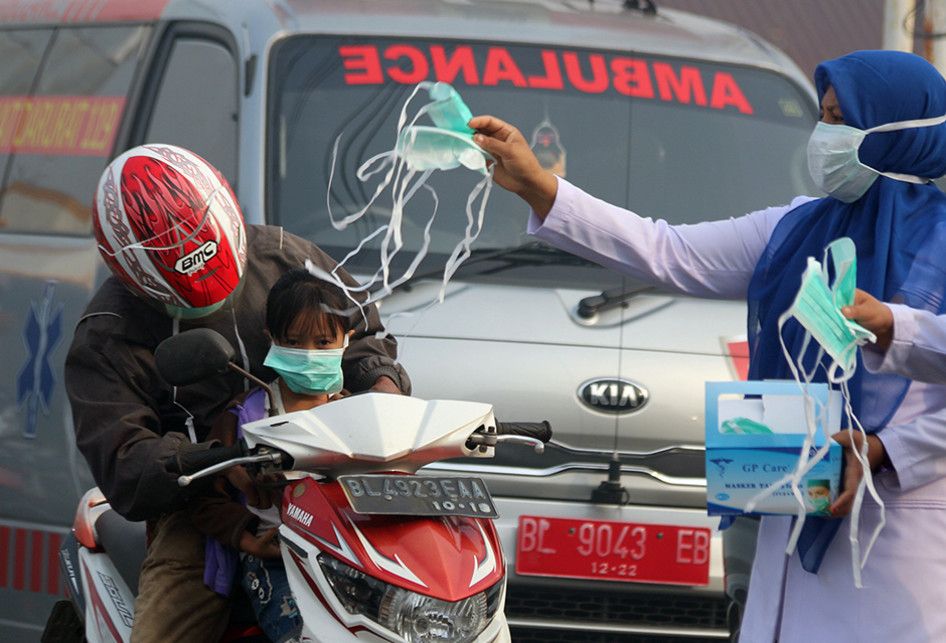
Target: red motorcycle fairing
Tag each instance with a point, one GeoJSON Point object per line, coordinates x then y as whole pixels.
{"type": "Point", "coordinates": [446, 557]}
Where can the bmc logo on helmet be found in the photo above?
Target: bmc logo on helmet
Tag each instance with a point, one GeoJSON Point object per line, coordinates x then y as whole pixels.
{"type": "Point", "coordinates": [195, 260]}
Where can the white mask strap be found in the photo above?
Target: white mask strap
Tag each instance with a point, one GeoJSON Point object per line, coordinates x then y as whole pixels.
{"type": "Point", "coordinates": [899, 125]}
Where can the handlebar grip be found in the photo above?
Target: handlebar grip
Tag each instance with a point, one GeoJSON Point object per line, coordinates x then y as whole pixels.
{"type": "Point", "coordinates": [193, 460]}
{"type": "Point", "coordinates": [541, 431]}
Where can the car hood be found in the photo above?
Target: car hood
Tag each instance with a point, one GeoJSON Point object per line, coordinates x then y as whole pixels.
{"type": "Point", "coordinates": [525, 351]}
{"type": "Point", "coordinates": [651, 321]}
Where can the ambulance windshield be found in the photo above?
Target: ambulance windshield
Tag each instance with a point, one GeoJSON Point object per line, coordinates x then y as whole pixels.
{"type": "Point", "coordinates": [678, 139]}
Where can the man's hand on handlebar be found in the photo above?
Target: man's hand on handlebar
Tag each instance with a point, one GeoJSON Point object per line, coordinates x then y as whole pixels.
{"type": "Point", "coordinates": [263, 492]}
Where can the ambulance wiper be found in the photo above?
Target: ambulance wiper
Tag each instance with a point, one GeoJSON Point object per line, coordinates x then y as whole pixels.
{"type": "Point", "coordinates": [608, 299]}
{"type": "Point", "coordinates": [532, 253]}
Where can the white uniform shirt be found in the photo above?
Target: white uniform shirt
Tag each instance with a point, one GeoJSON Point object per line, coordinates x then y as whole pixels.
{"type": "Point", "coordinates": [906, 574]}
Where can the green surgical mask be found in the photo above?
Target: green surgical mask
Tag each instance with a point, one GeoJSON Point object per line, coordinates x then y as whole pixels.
{"type": "Point", "coordinates": [820, 505]}
{"type": "Point", "coordinates": [431, 148]}
{"type": "Point", "coordinates": [307, 371]}
{"type": "Point", "coordinates": [743, 426]}
{"type": "Point", "coordinates": [817, 307]}
{"type": "Point", "coordinates": [447, 145]}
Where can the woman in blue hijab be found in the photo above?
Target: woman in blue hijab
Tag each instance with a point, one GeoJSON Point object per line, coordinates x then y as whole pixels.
{"type": "Point", "coordinates": [880, 141]}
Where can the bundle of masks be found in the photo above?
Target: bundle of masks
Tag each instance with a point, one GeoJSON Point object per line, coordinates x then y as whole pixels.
{"type": "Point", "coordinates": [418, 150]}
{"type": "Point", "coordinates": [817, 307]}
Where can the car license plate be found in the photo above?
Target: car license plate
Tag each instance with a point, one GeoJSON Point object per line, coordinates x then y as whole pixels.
{"type": "Point", "coordinates": [606, 550]}
{"type": "Point", "coordinates": [418, 495]}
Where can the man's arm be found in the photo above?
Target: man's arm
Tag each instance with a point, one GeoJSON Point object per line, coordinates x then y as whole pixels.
{"type": "Point", "coordinates": [118, 429]}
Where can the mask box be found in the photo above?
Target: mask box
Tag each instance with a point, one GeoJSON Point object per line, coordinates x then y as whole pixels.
{"type": "Point", "coordinates": [752, 442]}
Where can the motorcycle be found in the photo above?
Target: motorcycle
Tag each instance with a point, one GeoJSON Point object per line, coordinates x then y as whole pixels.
{"type": "Point", "coordinates": [373, 550]}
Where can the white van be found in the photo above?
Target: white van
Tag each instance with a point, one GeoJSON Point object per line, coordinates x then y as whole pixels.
{"type": "Point", "coordinates": [673, 115]}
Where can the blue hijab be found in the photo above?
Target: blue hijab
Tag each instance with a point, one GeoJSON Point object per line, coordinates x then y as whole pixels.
{"type": "Point", "coordinates": [899, 229]}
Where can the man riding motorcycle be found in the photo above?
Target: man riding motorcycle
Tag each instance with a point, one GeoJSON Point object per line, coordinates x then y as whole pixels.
{"type": "Point", "coordinates": [170, 229]}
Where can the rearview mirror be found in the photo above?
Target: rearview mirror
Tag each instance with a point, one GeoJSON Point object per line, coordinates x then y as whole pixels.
{"type": "Point", "coordinates": [192, 356]}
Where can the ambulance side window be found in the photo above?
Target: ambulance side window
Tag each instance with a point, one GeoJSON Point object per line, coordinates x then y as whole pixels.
{"type": "Point", "coordinates": [196, 104]}
{"type": "Point", "coordinates": [64, 129]}
{"type": "Point", "coordinates": [21, 51]}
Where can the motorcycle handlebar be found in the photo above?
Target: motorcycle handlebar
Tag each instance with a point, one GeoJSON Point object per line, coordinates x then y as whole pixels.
{"type": "Point", "coordinates": [541, 431]}
{"type": "Point", "coordinates": [196, 460]}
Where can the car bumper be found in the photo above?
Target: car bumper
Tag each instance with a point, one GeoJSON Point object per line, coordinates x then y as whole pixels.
{"type": "Point", "coordinates": [609, 608]}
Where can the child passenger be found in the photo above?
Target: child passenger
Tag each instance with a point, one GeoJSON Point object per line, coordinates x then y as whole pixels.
{"type": "Point", "coordinates": [308, 338]}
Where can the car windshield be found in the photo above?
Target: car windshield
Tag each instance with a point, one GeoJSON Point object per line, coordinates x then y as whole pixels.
{"type": "Point", "coordinates": [671, 138]}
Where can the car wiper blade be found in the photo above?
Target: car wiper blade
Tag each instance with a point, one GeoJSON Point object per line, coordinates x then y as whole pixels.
{"type": "Point", "coordinates": [608, 299]}
{"type": "Point", "coordinates": [531, 253]}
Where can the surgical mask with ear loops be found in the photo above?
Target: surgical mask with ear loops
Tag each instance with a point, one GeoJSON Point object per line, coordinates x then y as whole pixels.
{"type": "Point", "coordinates": [307, 371]}
{"type": "Point", "coordinates": [817, 307]}
{"type": "Point", "coordinates": [835, 166]}
{"type": "Point", "coordinates": [418, 150]}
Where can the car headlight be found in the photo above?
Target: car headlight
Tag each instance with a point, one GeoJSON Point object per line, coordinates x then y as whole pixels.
{"type": "Point", "coordinates": [415, 617]}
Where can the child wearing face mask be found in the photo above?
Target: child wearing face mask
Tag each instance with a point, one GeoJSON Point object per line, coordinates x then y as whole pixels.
{"type": "Point", "coordinates": [309, 336]}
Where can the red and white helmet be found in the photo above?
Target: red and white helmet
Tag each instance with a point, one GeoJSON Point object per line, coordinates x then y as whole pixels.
{"type": "Point", "coordinates": [169, 226]}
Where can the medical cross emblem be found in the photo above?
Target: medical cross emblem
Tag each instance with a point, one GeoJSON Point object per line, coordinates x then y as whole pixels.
{"type": "Point", "coordinates": [35, 382]}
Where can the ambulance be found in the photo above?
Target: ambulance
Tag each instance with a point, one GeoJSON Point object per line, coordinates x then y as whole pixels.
{"type": "Point", "coordinates": [670, 114]}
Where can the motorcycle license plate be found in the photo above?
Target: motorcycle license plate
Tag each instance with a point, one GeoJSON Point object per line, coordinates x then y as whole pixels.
{"type": "Point", "coordinates": [418, 495]}
{"type": "Point", "coordinates": [607, 550]}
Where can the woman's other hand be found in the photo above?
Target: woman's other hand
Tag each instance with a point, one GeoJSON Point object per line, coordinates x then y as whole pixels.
{"type": "Point", "coordinates": [263, 546]}
{"type": "Point", "coordinates": [876, 454]}
{"type": "Point", "coordinates": [872, 314]}
{"type": "Point", "coordinates": [515, 166]}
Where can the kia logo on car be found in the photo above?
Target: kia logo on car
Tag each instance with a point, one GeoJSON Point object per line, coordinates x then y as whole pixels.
{"type": "Point", "coordinates": [613, 395]}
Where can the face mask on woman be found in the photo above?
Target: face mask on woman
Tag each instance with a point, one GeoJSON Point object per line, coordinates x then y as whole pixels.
{"type": "Point", "coordinates": [833, 161]}
{"type": "Point", "coordinates": [308, 371]}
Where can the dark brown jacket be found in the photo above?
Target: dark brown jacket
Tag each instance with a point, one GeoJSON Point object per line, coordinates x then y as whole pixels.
{"type": "Point", "coordinates": [217, 513]}
{"type": "Point", "coordinates": [128, 425]}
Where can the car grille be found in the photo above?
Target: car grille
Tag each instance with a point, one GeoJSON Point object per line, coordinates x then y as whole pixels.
{"type": "Point", "coordinates": [618, 608]}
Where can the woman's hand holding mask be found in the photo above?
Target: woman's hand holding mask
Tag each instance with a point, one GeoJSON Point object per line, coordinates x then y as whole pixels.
{"type": "Point", "coordinates": [515, 167]}
{"type": "Point", "coordinates": [876, 455]}
{"type": "Point", "coordinates": [873, 315]}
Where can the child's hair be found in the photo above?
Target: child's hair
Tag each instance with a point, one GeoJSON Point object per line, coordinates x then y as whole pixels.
{"type": "Point", "coordinates": [297, 292]}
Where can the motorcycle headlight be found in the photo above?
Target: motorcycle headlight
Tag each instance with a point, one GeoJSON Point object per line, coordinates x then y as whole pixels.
{"type": "Point", "coordinates": [415, 617]}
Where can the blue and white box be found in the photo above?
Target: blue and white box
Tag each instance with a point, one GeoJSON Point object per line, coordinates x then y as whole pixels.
{"type": "Point", "coordinates": [752, 442]}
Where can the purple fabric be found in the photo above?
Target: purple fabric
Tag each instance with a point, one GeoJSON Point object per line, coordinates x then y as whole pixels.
{"type": "Point", "coordinates": [221, 562]}
{"type": "Point", "coordinates": [252, 409]}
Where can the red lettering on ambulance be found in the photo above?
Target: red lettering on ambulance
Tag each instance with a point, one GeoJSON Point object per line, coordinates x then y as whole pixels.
{"type": "Point", "coordinates": [553, 73]}
{"type": "Point", "coordinates": [446, 69]}
{"type": "Point", "coordinates": [418, 63]}
{"type": "Point", "coordinates": [631, 77]}
{"type": "Point", "coordinates": [500, 66]}
{"type": "Point", "coordinates": [363, 59]}
{"type": "Point", "coordinates": [685, 89]}
{"type": "Point", "coordinates": [726, 93]}
{"type": "Point", "coordinates": [587, 73]}
{"type": "Point", "coordinates": [599, 72]}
